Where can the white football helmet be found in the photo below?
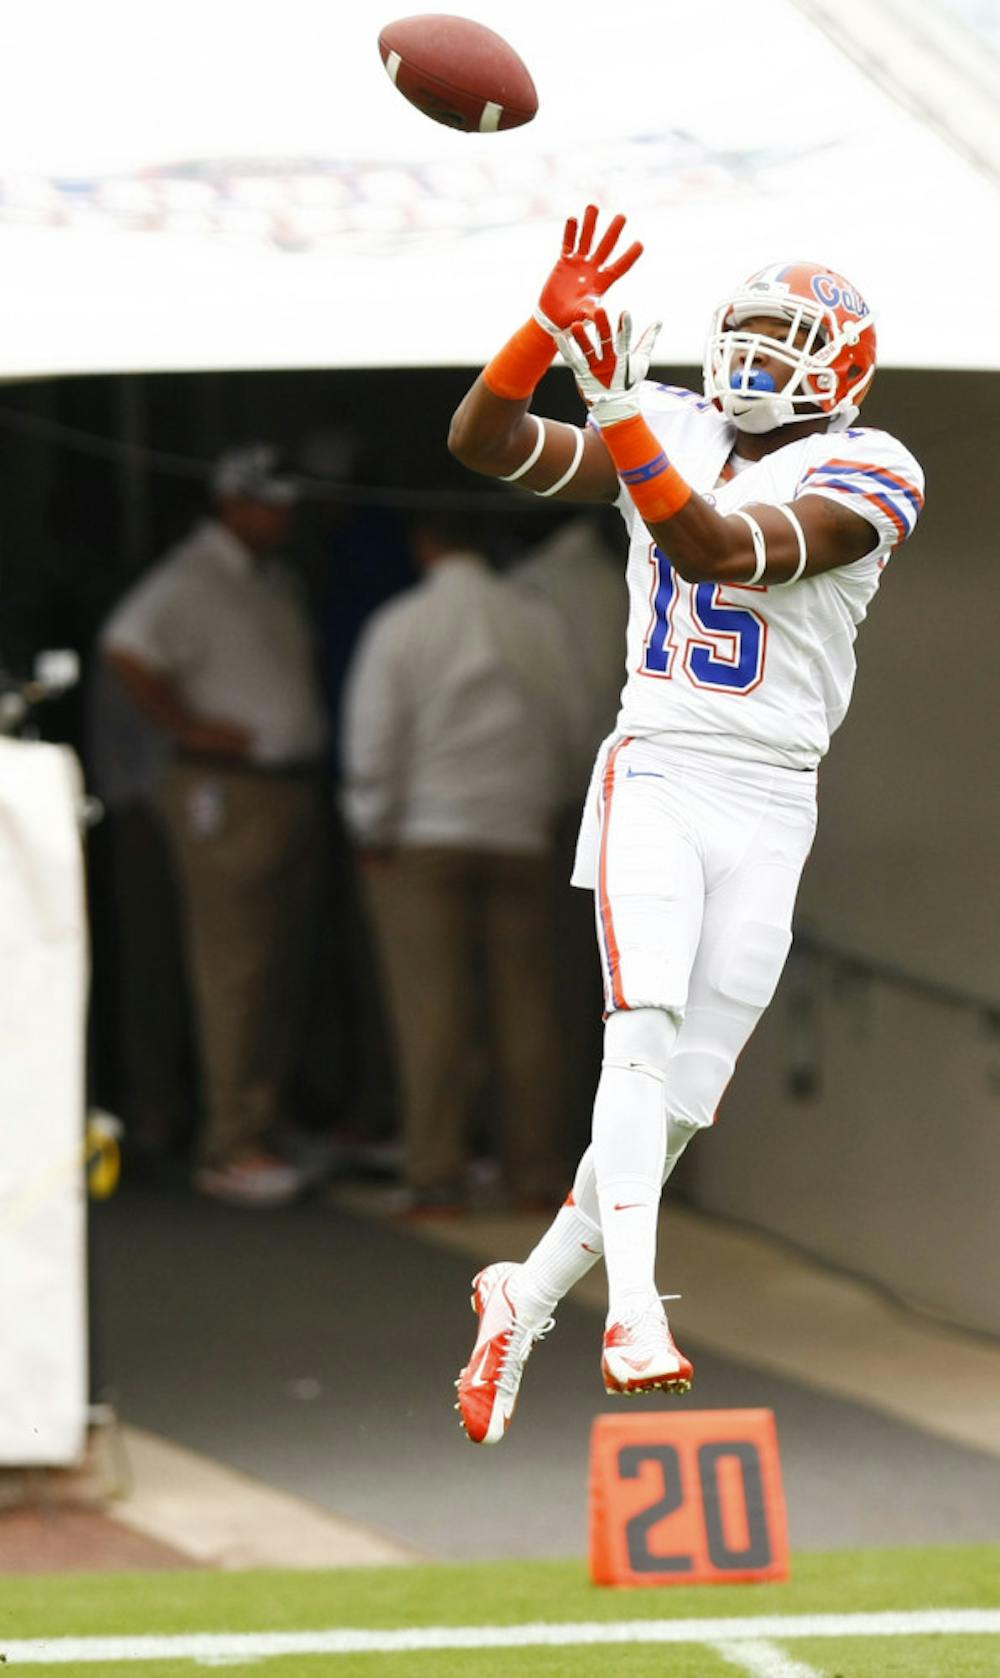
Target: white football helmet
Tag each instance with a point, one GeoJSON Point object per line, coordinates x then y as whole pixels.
{"type": "Point", "coordinates": [831, 369]}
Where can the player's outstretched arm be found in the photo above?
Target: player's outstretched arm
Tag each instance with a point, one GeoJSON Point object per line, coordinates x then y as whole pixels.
{"type": "Point", "coordinates": [493, 431]}
{"type": "Point", "coordinates": [772, 544]}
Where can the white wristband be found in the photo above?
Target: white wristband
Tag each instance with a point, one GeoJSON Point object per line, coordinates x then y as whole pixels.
{"type": "Point", "coordinates": [759, 548]}
{"type": "Point", "coordinates": [800, 538]}
{"type": "Point", "coordinates": [526, 465]}
{"type": "Point", "coordinates": [571, 470]}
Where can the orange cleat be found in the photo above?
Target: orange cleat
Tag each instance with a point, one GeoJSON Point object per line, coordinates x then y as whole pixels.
{"type": "Point", "coordinates": [639, 1354]}
{"type": "Point", "coordinates": [489, 1384]}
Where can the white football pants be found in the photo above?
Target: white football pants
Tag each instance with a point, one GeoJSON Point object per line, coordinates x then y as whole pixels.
{"type": "Point", "coordinates": [695, 862]}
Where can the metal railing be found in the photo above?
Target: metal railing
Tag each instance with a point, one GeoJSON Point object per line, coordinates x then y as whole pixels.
{"type": "Point", "coordinates": [814, 955]}
{"type": "Point", "coordinates": [852, 965]}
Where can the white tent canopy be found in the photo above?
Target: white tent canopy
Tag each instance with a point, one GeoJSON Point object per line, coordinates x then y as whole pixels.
{"type": "Point", "coordinates": [214, 185]}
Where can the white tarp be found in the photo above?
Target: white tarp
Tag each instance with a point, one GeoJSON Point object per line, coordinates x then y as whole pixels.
{"type": "Point", "coordinates": [216, 184]}
{"type": "Point", "coordinates": [43, 988]}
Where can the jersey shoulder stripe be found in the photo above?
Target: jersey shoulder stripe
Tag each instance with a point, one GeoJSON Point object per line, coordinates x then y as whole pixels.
{"type": "Point", "coordinates": [880, 476]}
{"type": "Point", "coordinates": [867, 446]}
{"type": "Point", "coordinates": [879, 473]}
{"type": "Point", "coordinates": [882, 502]}
{"type": "Point", "coordinates": [899, 514]}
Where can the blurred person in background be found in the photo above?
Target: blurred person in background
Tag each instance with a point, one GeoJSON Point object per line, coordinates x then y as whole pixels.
{"type": "Point", "coordinates": [462, 740]}
{"type": "Point", "coordinates": [215, 647]}
{"type": "Point", "coordinates": [357, 554]}
{"type": "Point", "coordinates": [146, 1057]}
{"type": "Point", "coordinates": [578, 569]}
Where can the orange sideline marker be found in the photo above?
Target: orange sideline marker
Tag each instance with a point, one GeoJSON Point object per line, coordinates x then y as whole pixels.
{"type": "Point", "coordinates": [688, 1498]}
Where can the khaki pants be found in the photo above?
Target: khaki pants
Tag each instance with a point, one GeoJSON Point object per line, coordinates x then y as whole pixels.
{"type": "Point", "coordinates": [249, 850]}
{"type": "Point", "coordinates": [466, 937]}
{"type": "Point", "coordinates": [152, 1004]}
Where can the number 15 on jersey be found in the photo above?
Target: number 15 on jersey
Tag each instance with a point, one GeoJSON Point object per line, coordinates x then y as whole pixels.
{"type": "Point", "coordinates": [695, 632]}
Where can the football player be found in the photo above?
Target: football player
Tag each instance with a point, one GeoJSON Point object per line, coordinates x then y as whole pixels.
{"type": "Point", "coordinates": [760, 518]}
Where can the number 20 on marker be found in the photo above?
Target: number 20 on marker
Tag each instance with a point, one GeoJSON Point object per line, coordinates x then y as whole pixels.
{"type": "Point", "coordinates": [686, 1499]}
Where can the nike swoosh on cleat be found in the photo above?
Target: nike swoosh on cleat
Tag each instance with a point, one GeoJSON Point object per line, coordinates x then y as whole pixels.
{"type": "Point", "coordinates": [628, 1206]}
{"type": "Point", "coordinates": [476, 1378]}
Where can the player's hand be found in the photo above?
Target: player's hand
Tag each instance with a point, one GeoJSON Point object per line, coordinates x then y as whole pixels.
{"type": "Point", "coordinates": [607, 367]}
{"type": "Point", "coordinates": [582, 276]}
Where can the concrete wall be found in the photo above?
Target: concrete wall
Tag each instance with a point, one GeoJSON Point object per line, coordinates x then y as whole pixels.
{"type": "Point", "coordinates": [892, 1167]}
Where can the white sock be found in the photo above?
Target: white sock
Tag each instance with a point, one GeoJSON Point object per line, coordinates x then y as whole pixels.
{"type": "Point", "coordinates": [569, 1248]}
{"type": "Point", "coordinates": [585, 1181]}
{"type": "Point", "coordinates": [629, 1150]}
{"type": "Point", "coordinates": [574, 1240]}
{"type": "Point", "coordinates": [629, 1144]}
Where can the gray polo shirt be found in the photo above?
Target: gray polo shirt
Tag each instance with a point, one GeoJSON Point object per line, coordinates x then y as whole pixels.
{"type": "Point", "coordinates": [231, 633]}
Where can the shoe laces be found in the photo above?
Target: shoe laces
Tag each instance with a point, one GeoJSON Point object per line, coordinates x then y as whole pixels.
{"type": "Point", "coordinates": [647, 1325]}
{"type": "Point", "coordinates": [640, 1312]}
{"type": "Point", "coordinates": [519, 1340]}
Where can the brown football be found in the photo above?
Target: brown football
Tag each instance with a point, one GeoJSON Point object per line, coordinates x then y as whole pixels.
{"type": "Point", "coordinates": [458, 72]}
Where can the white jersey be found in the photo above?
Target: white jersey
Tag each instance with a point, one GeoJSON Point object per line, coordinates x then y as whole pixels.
{"type": "Point", "coordinates": [760, 672]}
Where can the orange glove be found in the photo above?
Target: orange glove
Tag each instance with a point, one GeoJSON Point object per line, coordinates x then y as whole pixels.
{"type": "Point", "coordinates": [571, 293]}
{"type": "Point", "coordinates": [580, 277]}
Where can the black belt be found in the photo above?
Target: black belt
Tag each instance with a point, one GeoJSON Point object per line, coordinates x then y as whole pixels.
{"type": "Point", "coordinates": [216, 764]}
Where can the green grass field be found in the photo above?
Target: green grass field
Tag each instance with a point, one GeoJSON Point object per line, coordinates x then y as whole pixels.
{"type": "Point", "coordinates": [36, 1611]}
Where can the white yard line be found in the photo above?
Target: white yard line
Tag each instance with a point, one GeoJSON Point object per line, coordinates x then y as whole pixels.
{"type": "Point", "coordinates": [763, 1660]}
{"type": "Point", "coordinates": [219, 1647]}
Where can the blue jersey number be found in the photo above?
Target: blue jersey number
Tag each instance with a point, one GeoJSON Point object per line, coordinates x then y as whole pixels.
{"type": "Point", "coordinates": [728, 656]}
{"type": "Point", "coordinates": [659, 654]}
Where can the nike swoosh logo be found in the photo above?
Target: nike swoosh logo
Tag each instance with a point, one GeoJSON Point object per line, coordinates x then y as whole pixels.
{"type": "Point", "coordinates": [643, 774]}
{"type": "Point", "coordinates": [629, 1205]}
{"type": "Point", "coordinates": [476, 1379]}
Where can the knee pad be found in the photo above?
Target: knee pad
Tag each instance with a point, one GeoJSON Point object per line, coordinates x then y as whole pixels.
{"type": "Point", "coordinates": [640, 1040]}
{"type": "Point", "coordinates": [698, 1081]}
{"type": "Point", "coordinates": [679, 1135]}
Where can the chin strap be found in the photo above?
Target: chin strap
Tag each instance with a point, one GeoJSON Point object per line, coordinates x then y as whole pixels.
{"type": "Point", "coordinates": [845, 418]}
{"type": "Point", "coordinates": [762, 417]}
{"type": "Point", "coordinates": [765, 413]}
